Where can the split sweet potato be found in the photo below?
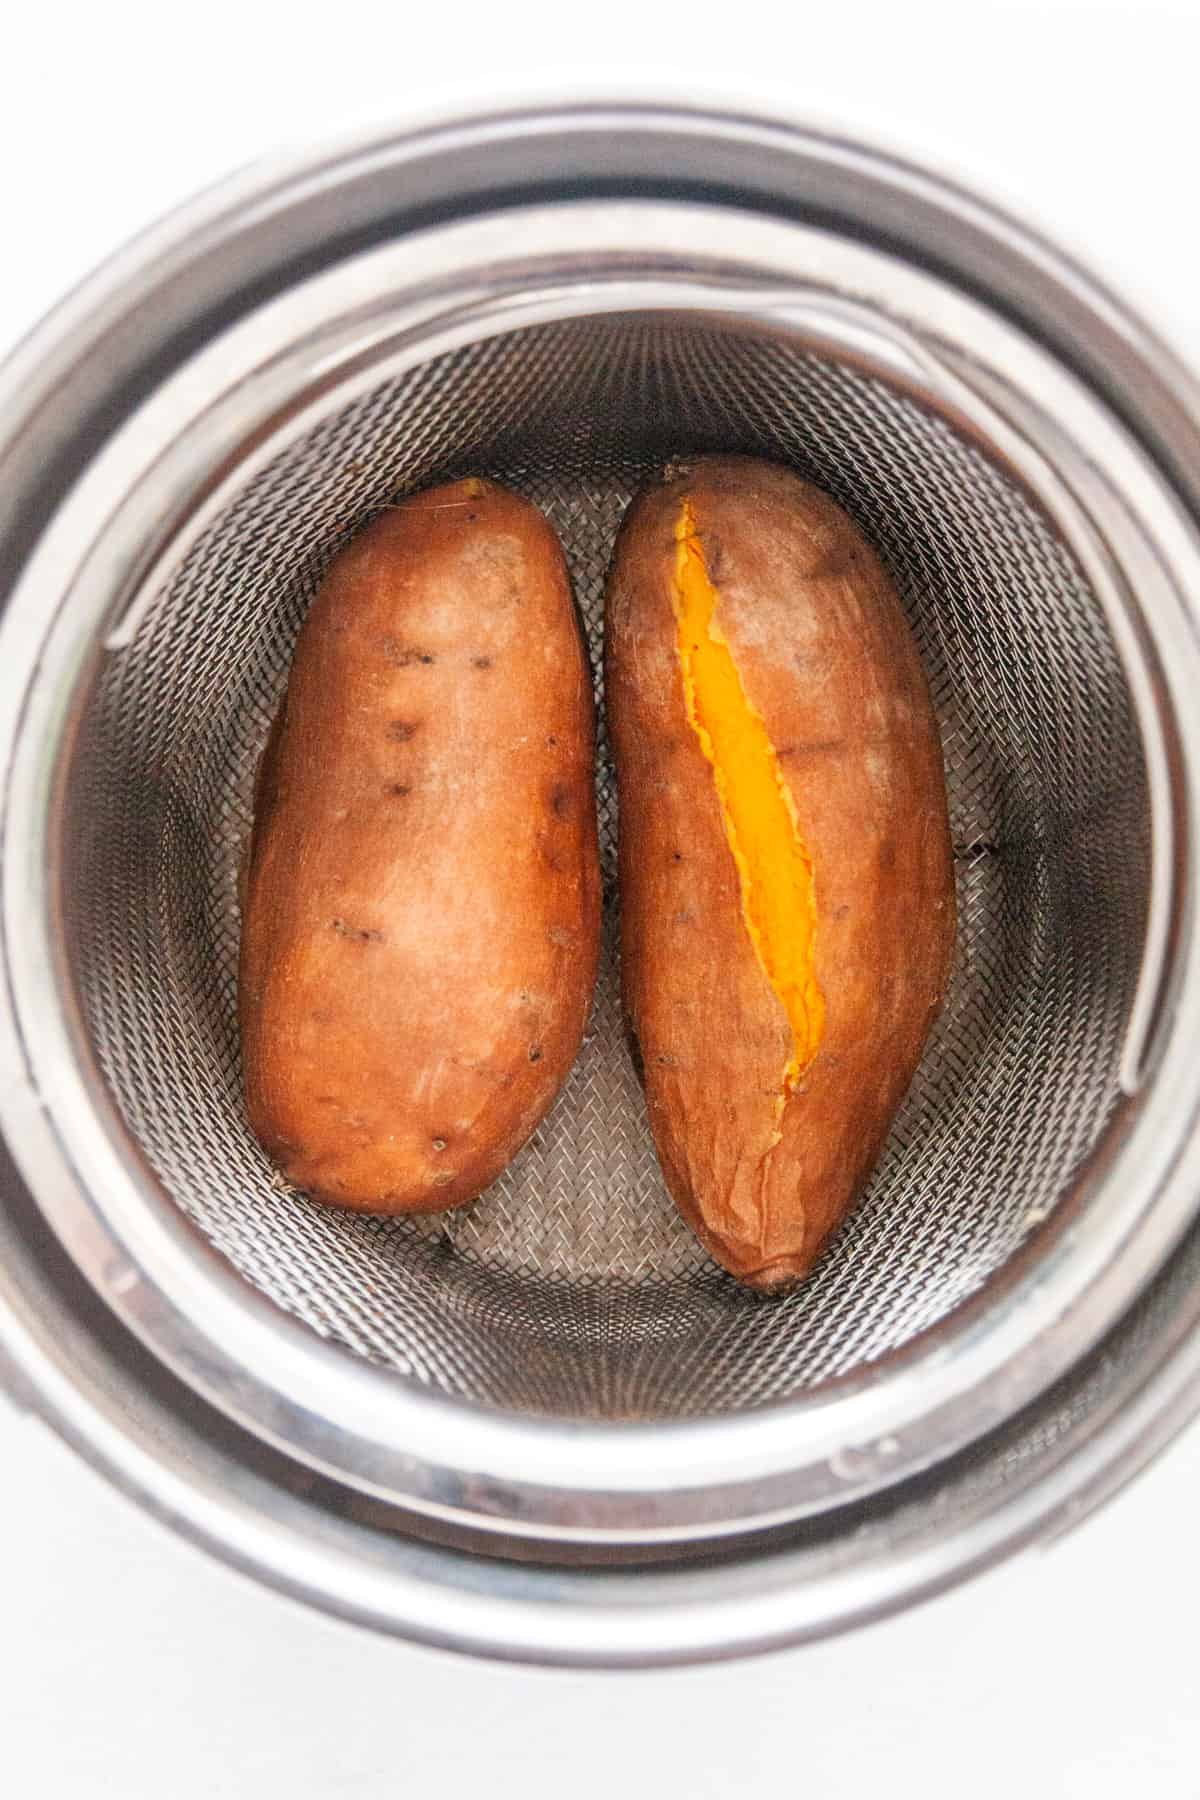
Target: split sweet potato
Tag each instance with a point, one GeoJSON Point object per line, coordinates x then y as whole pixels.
{"type": "Point", "coordinates": [786, 873]}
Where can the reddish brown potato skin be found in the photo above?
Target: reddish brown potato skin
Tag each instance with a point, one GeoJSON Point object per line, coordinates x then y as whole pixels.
{"type": "Point", "coordinates": [827, 658]}
{"type": "Point", "coordinates": [421, 900]}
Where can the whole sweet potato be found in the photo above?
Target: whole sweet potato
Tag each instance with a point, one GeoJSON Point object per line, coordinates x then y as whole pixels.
{"type": "Point", "coordinates": [421, 899]}
{"type": "Point", "coordinates": [786, 875]}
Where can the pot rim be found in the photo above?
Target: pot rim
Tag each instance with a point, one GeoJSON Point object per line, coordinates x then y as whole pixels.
{"type": "Point", "coordinates": [568, 1458]}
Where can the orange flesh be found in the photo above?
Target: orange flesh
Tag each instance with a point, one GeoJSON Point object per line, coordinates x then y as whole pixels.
{"type": "Point", "coordinates": [774, 868]}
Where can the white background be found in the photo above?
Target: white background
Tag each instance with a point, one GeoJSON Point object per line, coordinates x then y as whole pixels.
{"type": "Point", "coordinates": [130, 1665]}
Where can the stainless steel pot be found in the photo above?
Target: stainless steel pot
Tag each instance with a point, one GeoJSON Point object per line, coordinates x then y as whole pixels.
{"type": "Point", "coordinates": [545, 1428]}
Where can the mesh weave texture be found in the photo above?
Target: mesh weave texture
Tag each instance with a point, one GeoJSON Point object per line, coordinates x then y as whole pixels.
{"type": "Point", "coordinates": [571, 1287]}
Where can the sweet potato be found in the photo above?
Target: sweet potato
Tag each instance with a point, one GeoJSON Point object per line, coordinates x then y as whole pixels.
{"type": "Point", "coordinates": [422, 893]}
{"type": "Point", "coordinates": [786, 874]}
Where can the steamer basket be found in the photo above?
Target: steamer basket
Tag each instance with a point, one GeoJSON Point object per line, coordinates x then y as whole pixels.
{"type": "Point", "coordinates": [421, 1422]}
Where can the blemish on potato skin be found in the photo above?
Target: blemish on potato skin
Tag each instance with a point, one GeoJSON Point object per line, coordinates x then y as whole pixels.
{"type": "Point", "coordinates": [403, 656]}
{"type": "Point", "coordinates": [560, 937]}
{"type": "Point", "coordinates": [535, 1053]}
{"type": "Point", "coordinates": [398, 788]}
{"type": "Point", "coordinates": [439, 1143]}
{"type": "Point", "coordinates": [481, 662]}
{"type": "Point", "coordinates": [714, 556]}
{"type": "Point", "coordinates": [361, 934]}
{"type": "Point", "coordinates": [443, 1178]}
{"type": "Point", "coordinates": [842, 557]}
{"type": "Point", "coordinates": [560, 800]}
{"type": "Point", "coordinates": [820, 747]}
{"type": "Point", "coordinates": [400, 730]}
